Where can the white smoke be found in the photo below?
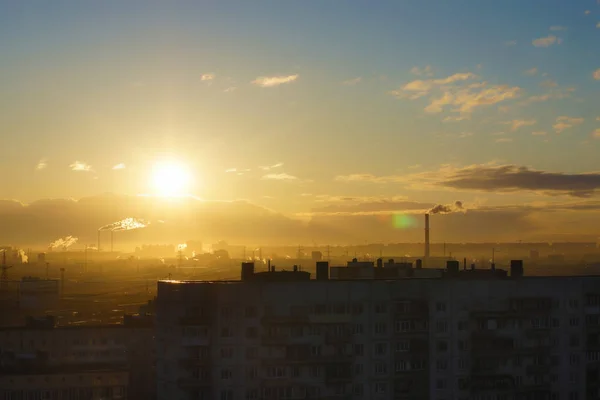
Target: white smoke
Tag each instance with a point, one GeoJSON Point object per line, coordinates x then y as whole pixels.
{"type": "Point", "coordinates": [126, 224]}
{"type": "Point", "coordinates": [65, 242]}
{"type": "Point", "coordinates": [181, 247]}
{"type": "Point", "coordinates": [23, 256]}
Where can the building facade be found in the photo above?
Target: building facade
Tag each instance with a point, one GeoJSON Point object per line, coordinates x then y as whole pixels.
{"type": "Point", "coordinates": [449, 338]}
{"type": "Point", "coordinates": [43, 362]}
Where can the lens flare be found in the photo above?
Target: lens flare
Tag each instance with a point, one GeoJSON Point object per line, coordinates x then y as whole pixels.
{"type": "Point", "coordinates": [404, 221]}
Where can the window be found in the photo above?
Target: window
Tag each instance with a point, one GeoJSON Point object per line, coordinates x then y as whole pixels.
{"type": "Point", "coordinates": [441, 326]}
{"type": "Point", "coordinates": [226, 332]}
{"type": "Point", "coordinates": [380, 328]}
{"type": "Point", "coordinates": [442, 365]}
{"type": "Point", "coordinates": [297, 331]}
{"type": "Point", "coordinates": [574, 303]}
{"type": "Point", "coordinates": [251, 373]}
{"type": "Point", "coordinates": [226, 312]}
{"type": "Point", "coordinates": [442, 346]}
{"type": "Point", "coordinates": [359, 349]}
{"type": "Point", "coordinates": [573, 396]}
{"type": "Point", "coordinates": [401, 365]}
{"type": "Point", "coordinates": [226, 374]}
{"type": "Point", "coordinates": [402, 326]}
{"type": "Point", "coordinates": [380, 387]}
{"type": "Point", "coordinates": [462, 345]}
{"type": "Point", "coordinates": [574, 321]}
{"type": "Point", "coordinates": [251, 353]}
{"type": "Point", "coordinates": [440, 384]}
{"type": "Point", "coordinates": [574, 341]}
{"type": "Point", "coordinates": [250, 312]}
{"type": "Point", "coordinates": [251, 332]}
{"type": "Point", "coordinates": [403, 346]}
{"type": "Point", "coordinates": [357, 329]}
{"type": "Point", "coordinates": [462, 364]}
{"type": "Point", "coordinates": [358, 389]}
{"type": "Point", "coordinates": [574, 359]}
{"type": "Point", "coordinates": [315, 350]}
{"type": "Point", "coordinates": [462, 325]}
{"type": "Point", "coordinates": [251, 394]}
{"type": "Point", "coordinates": [315, 371]}
{"type": "Point", "coordinates": [226, 352]}
{"type": "Point", "coordinates": [276, 372]}
{"type": "Point", "coordinates": [380, 349]}
{"type": "Point", "coordinates": [357, 309]}
{"type": "Point", "coordinates": [380, 368]}
{"type": "Point", "coordinates": [380, 308]}
{"type": "Point", "coordinates": [339, 309]}
{"type": "Point", "coordinates": [226, 394]}
{"type": "Point", "coordinates": [358, 369]}
{"type": "Point", "coordinates": [295, 371]}
{"type": "Point", "coordinates": [440, 307]}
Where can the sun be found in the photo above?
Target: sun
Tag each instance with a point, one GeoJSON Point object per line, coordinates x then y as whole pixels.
{"type": "Point", "coordinates": [170, 179]}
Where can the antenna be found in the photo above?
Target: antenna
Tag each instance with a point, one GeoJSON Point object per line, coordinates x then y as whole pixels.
{"type": "Point", "coordinates": [328, 253]}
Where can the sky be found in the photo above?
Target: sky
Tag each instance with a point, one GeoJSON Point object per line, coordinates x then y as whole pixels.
{"type": "Point", "coordinates": [344, 110]}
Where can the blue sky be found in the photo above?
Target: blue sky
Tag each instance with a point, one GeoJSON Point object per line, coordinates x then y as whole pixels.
{"type": "Point", "coordinates": [113, 82]}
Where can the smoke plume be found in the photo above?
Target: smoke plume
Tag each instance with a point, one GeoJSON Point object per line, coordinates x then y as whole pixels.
{"type": "Point", "coordinates": [24, 258]}
{"type": "Point", "coordinates": [181, 247]}
{"type": "Point", "coordinates": [126, 224]}
{"type": "Point", "coordinates": [65, 242]}
{"type": "Point", "coordinates": [447, 208]}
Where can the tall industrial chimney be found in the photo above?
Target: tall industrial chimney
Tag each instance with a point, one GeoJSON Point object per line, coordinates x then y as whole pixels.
{"type": "Point", "coordinates": [426, 256]}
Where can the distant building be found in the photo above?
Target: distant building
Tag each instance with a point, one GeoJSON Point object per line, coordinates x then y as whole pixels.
{"type": "Point", "coordinates": [36, 293]}
{"type": "Point", "coordinates": [468, 334]}
{"type": "Point", "coordinates": [41, 361]}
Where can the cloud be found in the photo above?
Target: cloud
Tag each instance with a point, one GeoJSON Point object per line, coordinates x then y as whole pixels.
{"type": "Point", "coordinates": [230, 89]}
{"type": "Point", "coordinates": [539, 133]}
{"type": "Point", "coordinates": [420, 88]}
{"type": "Point", "coordinates": [531, 71]}
{"type": "Point", "coordinates": [518, 123]}
{"type": "Point", "coordinates": [268, 167]}
{"type": "Point", "coordinates": [465, 100]}
{"type": "Point", "coordinates": [270, 81]}
{"type": "Point", "coordinates": [207, 77]}
{"type": "Point", "coordinates": [463, 135]}
{"type": "Point", "coordinates": [491, 178]}
{"type": "Point", "coordinates": [510, 43]}
{"type": "Point", "coordinates": [426, 71]}
{"type": "Point", "coordinates": [558, 28]}
{"type": "Point", "coordinates": [596, 74]}
{"type": "Point", "coordinates": [455, 118]}
{"type": "Point", "coordinates": [80, 166]}
{"type": "Point", "coordinates": [598, 25]}
{"type": "Point", "coordinates": [42, 164]}
{"type": "Point", "coordinates": [564, 122]}
{"type": "Point", "coordinates": [119, 166]}
{"type": "Point", "coordinates": [548, 83]}
{"type": "Point", "coordinates": [280, 177]}
{"type": "Point", "coordinates": [504, 140]}
{"type": "Point", "coordinates": [352, 82]}
{"type": "Point", "coordinates": [596, 133]}
{"type": "Point", "coordinates": [512, 178]}
{"type": "Point", "coordinates": [587, 12]}
{"type": "Point", "coordinates": [545, 41]}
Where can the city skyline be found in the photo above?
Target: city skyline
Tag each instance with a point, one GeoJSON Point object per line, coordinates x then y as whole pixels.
{"type": "Point", "coordinates": [350, 116]}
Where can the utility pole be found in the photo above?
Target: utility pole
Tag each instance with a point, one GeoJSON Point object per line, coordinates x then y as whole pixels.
{"type": "Point", "coordinates": [62, 281]}
{"type": "Point", "coordinates": [47, 267]}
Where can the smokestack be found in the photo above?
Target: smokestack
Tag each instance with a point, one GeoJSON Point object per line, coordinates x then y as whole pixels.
{"type": "Point", "coordinates": [426, 237]}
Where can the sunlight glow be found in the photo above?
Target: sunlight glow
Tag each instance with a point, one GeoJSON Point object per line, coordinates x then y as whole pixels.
{"type": "Point", "coordinates": [170, 179]}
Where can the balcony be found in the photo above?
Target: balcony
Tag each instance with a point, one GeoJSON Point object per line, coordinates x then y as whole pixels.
{"type": "Point", "coordinates": [276, 339]}
{"type": "Point", "coordinates": [540, 369]}
{"type": "Point", "coordinates": [288, 320]}
{"type": "Point", "coordinates": [191, 362]}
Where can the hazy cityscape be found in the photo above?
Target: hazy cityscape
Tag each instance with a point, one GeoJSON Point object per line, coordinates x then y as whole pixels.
{"type": "Point", "coordinates": [278, 200]}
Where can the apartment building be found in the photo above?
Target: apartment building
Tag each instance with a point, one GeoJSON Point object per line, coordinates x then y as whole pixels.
{"type": "Point", "coordinates": [480, 335]}
{"type": "Point", "coordinates": [41, 361]}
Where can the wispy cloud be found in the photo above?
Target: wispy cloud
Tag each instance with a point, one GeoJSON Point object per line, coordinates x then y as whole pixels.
{"type": "Point", "coordinates": [564, 122]}
{"type": "Point", "coordinates": [548, 83]}
{"type": "Point", "coordinates": [587, 12]}
{"type": "Point", "coordinates": [596, 133]}
{"type": "Point", "coordinates": [546, 41]}
{"type": "Point", "coordinates": [598, 25]}
{"type": "Point", "coordinates": [352, 82]}
{"type": "Point", "coordinates": [455, 118]}
{"type": "Point", "coordinates": [42, 164]}
{"type": "Point", "coordinates": [531, 71]}
{"type": "Point", "coordinates": [510, 43]}
{"type": "Point", "coordinates": [518, 123]}
{"type": "Point", "coordinates": [596, 74]}
{"type": "Point", "coordinates": [269, 167]}
{"type": "Point", "coordinates": [119, 166]}
{"type": "Point", "coordinates": [558, 28]}
{"type": "Point", "coordinates": [207, 77]}
{"type": "Point", "coordinates": [426, 71]}
{"type": "Point", "coordinates": [270, 81]}
{"type": "Point", "coordinates": [280, 177]}
{"type": "Point", "coordinates": [504, 140]}
{"type": "Point", "coordinates": [539, 133]}
{"type": "Point", "coordinates": [230, 89]}
{"type": "Point", "coordinates": [80, 166]}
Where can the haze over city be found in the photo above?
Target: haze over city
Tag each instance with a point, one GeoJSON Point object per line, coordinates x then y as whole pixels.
{"type": "Point", "coordinates": [295, 122]}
